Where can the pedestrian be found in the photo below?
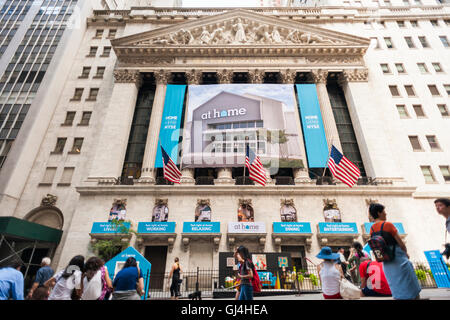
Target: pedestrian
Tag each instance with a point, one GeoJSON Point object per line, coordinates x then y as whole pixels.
{"type": "Point", "coordinates": [66, 283]}
{"type": "Point", "coordinates": [330, 273]}
{"type": "Point", "coordinates": [237, 281]}
{"type": "Point", "coordinates": [245, 273]}
{"type": "Point", "coordinates": [356, 254]}
{"type": "Point", "coordinates": [342, 261]}
{"type": "Point", "coordinates": [41, 293]}
{"type": "Point", "coordinates": [96, 283]}
{"type": "Point", "coordinates": [129, 282]}
{"type": "Point", "coordinates": [399, 272]}
{"type": "Point", "coordinates": [175, 275]}
{"type": "Point", "coordinates": [11, 282]}
{"type": "Point", "coordinates": [372, 274]}
{"type": "Point", "coordinates": [44, 273]}
{"type": "Point", "coordinates": [443, 208]}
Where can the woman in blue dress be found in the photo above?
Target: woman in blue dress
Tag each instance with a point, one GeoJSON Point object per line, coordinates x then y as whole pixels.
{"type": "Point", "coordinates": [399, 272]}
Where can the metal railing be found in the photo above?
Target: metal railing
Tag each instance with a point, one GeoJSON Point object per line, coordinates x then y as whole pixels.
{"type": "Point", "coordinates": [212, 282]}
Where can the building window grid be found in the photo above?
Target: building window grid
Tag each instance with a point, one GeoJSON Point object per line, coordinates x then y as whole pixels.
{"type": "Point", "coordinates": [428, 174]}
{"type": "Point", "coordinates": [423, 41]}
{"type": "Point", "coordinates": [447, 89]}
{"type": "Point", "coordinates": [402, 111]}
{"type": "Point", "coordinates": [434, 144]}
{"type": "Point", "coordinates": [415, 143]}
{"type": "Point", "coordinates": [400, 68]}
{"type": "Point", "coordinates": [419, 111]}
{"type": "Point", "coordinates": [445, 171]}
{"type": "Point", "coordinates": [437, 67]}
{"type": "Point", "coordinates": [443, 110]}
{"type": "Point", "coordinates": [422, 67]}
{"type": "Point", "coordinates": [7, 25]}
{"type": "Point", "coordinates": [25, 95]}
{"type": "Point", "coordinates": [77, 144]}
{"type": "Point", "coordinates": [70, 116]}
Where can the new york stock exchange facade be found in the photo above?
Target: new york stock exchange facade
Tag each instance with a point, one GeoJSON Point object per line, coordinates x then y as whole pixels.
{"type": "Point", "coordinates": [237, 67]}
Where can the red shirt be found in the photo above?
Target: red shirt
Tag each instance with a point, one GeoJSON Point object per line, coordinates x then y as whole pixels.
{"type": "Point", "coordinates": [376, 276]}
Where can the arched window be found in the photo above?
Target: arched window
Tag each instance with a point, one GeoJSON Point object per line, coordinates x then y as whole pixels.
{"type": "Point", "coordinates": [246, 213]}
{"type": "Point", "coordinates": [118, 210]}
{"type": "Point", "coordinates": [288, 213]}
{"type": "Point", "coordinates": [48, 216]}
{"type": "Point", "coordinates": [203, 213]}
{"type": "Point", "coordinates": [331, 212]}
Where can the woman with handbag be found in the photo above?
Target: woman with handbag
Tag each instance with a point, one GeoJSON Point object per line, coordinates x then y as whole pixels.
{"type": "Point", "coordinates": [330, 274]}
{"type": "Point", "coordinates": [66, 284]}
{"type": "Point", "coordinates": [96, 283]}
{"type": "Point", "coordinates": [399, 271]}
{"type": "Point", "coordinates": [176, 275]}
{"type": "Point", "coordinates": [129, 282]}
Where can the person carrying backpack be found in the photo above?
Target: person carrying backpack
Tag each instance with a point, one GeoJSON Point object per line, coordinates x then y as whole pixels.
{"type": "Point", "coordinates": [246, 273]}
{"type": "Point", "coordinates": [389, 248]}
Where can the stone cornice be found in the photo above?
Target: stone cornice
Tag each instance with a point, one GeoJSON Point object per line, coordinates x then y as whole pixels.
{"type": "Point", "coordinates": [354, 75]}
{"type": "Point", "coordinates": [193, 76]}
{"type": "Point", "coordinates": [256, 76]}
{"type": "Point", "coordinates": [224, 76]}
{"type": "Point", "coordinates": [246, 191]}
{"type": "Point", "coordinates": [162, 76]}
{"type": "Point", "coordinates": [127, 76]}
{"type": "Point", "coordinates": [319, 76]}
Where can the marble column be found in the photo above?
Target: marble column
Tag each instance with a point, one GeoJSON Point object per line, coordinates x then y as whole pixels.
{"type": "Point", "coordinates": [148, 165]}
{"type": "Point", "coordinates": [365, 113]}
{"type": "Point", "coordinates": [331, 132]}
{"type": "Point", "coordinates": [224, 175]}
{"type": "Point", "coordinates": [300, 174]}
{"type": "Point", "coordinates": [193, 77]}
{"type": "Point", "coordinates": [113, 139]}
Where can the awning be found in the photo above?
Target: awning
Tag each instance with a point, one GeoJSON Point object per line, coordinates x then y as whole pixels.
{"type": "Point", "coordinates": [26, 230]}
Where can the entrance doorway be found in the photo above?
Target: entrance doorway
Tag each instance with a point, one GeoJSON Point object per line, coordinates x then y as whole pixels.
{"type": "Point", "coordinates": [297, 256]}
{"type": "Point", "coordinates": [35, 264]}
{"type": "Point", "coordinates": [157, 256]}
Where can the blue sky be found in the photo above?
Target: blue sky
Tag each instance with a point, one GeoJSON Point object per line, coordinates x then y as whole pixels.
{"type": "Point", "coordinates": [199, 94]}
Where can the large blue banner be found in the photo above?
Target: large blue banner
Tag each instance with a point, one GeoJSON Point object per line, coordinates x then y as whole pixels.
{"type": "Point", "coordinates": [169, 132]}
{"type": "Point", "coordinates": [109, 227]}
{"type": "Point", "coordinates": [438, 268]}
{"type": "Point", "coordinates": [201, 227]}
{"type": "Point", "coordinates": [312, 124]}
{"type": "Point", "coordinates": [291, 227]}
{"type": "Point", "coordinates": [156, 227]}
{"type": "Point", "coordinates": [338, 227]}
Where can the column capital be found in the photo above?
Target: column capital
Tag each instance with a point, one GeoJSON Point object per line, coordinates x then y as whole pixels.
{"type": "Point", "coordinates": [193, 76]}
{"type": "Point", "coordinates": [319, 76]}
{"type": "Point", "coordinates": [354, 75]}
{"type": "Point", "coordinates": [256, 76]}
{"type": "Point", "coordinates": [288, 76]}
{"type": "Point", "coordinates": [162, 76]}
{"type": "Point", "coordinates": [225, 76]}
{"type": "Point", "coordinates": [127, 76]}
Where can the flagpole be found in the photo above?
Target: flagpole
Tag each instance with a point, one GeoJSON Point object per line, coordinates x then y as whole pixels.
{"type": "Point", "coordinates": [246, 146]}
{"type": "Point", "coordinates": [329, 153]}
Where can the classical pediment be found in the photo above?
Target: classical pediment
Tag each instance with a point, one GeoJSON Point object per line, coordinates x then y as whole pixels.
{"type": "Point", "coordinates": [237, 32]}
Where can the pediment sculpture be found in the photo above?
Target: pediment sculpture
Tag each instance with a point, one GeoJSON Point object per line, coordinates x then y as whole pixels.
{"type": "Point", "coordinates": [240, 31]}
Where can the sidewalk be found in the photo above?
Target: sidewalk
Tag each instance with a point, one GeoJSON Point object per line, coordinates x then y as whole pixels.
{"type": "Point", "coordinates": [432, 294]}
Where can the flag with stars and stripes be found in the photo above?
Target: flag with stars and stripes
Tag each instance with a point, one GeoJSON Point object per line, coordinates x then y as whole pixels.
{"type": "Point", "coordinates": [171, 172]}
{"type": "Point", "coordinates": [256, 170]}
{"type": "Point", "coordinates": [342, 168]}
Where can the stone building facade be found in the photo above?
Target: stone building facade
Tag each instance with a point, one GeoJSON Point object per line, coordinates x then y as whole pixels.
{"type": "Point", "coordinates": [365, 68]}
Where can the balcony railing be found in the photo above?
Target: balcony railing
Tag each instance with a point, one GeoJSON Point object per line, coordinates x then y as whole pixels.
{"type": "Point", "coordinates": [204, 180]}
{"type": "Point", "coordinates": [241, 181]}
{"type": "Point", "coordinates": [289, 181]}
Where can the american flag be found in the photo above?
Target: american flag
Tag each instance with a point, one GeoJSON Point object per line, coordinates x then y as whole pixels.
{"type": "Point", "coordinates": [171, 172]}
{"type": "Point", "coordinates": [342, 168]}
{"type": "Point", "coordinates": [256, 170]}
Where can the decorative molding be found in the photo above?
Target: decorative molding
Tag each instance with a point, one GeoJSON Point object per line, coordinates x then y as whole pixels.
{"type": "Point", "coordinates": [288, 76]}
{"type": "Point", "coordinates": [319, 76]}
{"type": "Point", "coordinates": [127, 76]}
{"type": "Point", "coordinates": [120, 202]}
{"type": "Point", "coordinates": [256, 76]}
{"type": "Point", "coordinates": [225, 76]}
{"type": "Point", "coordinates": [335, 60]}
{"type": "Point", "coordinates": [162, 77]}
{"type": "Point", "coordinates": [355, 75]}
{"type": "Point", "coordinates": [245, 202]}
{"type": "Point", "coordinates": [49, 200]}
{"type": "Point", "coordinates": [161, 202]}
{"type": "Point", "coordinates": [193, 76]}
{"type": "Point", "coordinates": [203, 202]}
{"type": "Point", "coordinates": [287, 202]}
{"type": "Point", "coordinates": [329, 204]}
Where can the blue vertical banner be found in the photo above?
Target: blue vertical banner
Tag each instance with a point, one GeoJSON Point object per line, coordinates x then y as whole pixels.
{"type": "Point", "coordinates": [312, 125]}
{"type": "Point", "coordinates": [438, 268]}
{"type": "Point", "coordinates": [169, 132]}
